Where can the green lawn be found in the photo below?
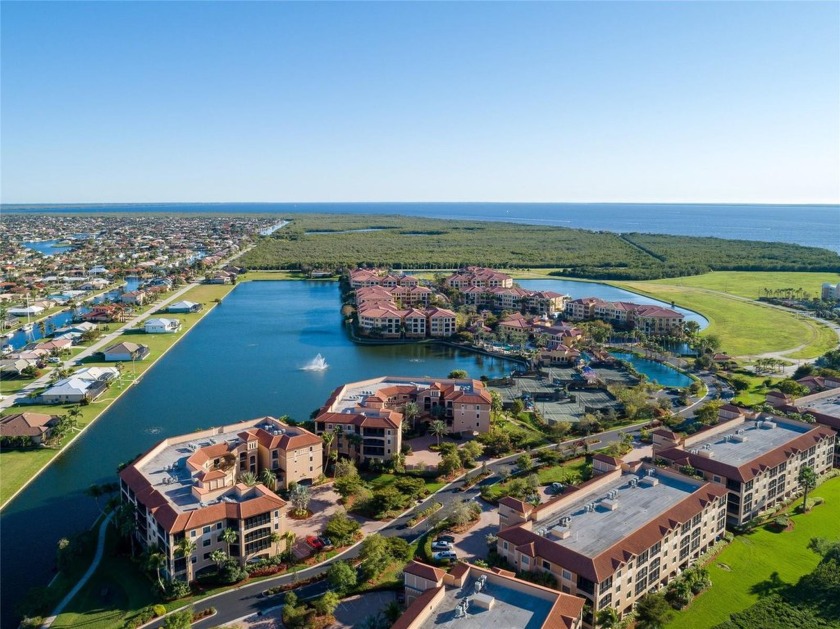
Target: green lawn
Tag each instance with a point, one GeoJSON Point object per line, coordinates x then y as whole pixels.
{"type": "Point", "coordinates": [753, 559]}
{"type": "Point", "coordinates": [380, 481]}
{"type": "Point", "coordinates": [19, 466]}
{"type": "Point", "coordinates": [574, 472]}
{"type": "Point", "coordinates": [756, 392]}
{"type": "Point", "coordinates": [744, 328]}
{"type": "Point", "coordinates": [752, 284]}
{"type": "Point", "coordinates": [115, 588]}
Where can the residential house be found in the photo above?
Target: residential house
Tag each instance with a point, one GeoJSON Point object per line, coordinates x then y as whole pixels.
{"type": "Point", "coordinates": [133, 298]}
{"type": "Point", "coordinates": [161, 326]}
{"type": "Point", "coordinates": [125, 351]}
{"type": "Point", "coordinates": [36, 427]}
{"type": "Point", "coordinates": [184, 306]}
{"type": "Point", "coordinates": [73, 390]}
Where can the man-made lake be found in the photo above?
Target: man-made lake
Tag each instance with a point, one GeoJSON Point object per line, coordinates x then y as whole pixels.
{"type": "Point", "coordinates": [655, 372]}
{"type": "Point", "coordinates": [47, 247]}
{"type": "Point", "coordinates": [244, 360]}
{"type": "Point", "coordinates": [605, 292]}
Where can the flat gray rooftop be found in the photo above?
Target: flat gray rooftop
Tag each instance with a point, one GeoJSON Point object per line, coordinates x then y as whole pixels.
{"type": "Point", "coordinates": [512, 609]}
{"type": "Point", "coordinates": [828, 405]}
{"type": "Point", "coordinates": [594, 531]}
{"type": "Point", "coordinates": [355, 393]}
{"type": "Point", "coordinates": [759, 441]}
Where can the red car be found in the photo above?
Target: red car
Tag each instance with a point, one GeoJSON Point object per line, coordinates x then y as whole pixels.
{"type": "Point", "coordinates": [314, 542]}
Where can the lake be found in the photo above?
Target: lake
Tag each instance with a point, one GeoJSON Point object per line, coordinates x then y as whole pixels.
{"type": "Point", "coordinates": [245, 359]}
{"type": "Point", "coordinates": [47, 247]}
{"type": "Point", "coordinates": [655, 372]}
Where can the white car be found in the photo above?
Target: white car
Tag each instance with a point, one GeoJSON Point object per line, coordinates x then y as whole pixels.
{"type": "Point", "coordinates": [445, 554]}
{"type": "Point", "coordinates": [440, 545]}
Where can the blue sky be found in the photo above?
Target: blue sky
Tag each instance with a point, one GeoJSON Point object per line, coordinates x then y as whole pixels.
{"type": "Point", "coordinates": [635, 102]}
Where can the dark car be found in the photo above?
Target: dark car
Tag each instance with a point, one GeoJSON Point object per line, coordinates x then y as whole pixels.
{"type": "Point", "coordinates": [326, 541]}
{"type": "Point", "coordinates": [445, 538]}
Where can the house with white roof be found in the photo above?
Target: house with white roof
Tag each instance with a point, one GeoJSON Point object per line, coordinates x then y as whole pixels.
{"type": "Point", "coordinates": [162, 326]}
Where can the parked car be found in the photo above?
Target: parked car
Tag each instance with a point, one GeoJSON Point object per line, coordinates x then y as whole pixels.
{"type": "Point", "coordinates": [445, 538]}
{"type": "Point", "coordinates": [314, 542]}
{"type": "Point", "coordinates": [440, 545]}
{"type": "Point", "coordinates": [445, 554]}
{"type": "Point", "coordinates": [53, 359]}
{"type": "Point", "coordinates": [556, 488]}
{"type": "Point", "coordinates": [326, 541]}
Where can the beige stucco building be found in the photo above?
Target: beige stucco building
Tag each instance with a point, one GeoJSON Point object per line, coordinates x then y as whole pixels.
{"type": "Point", "coordinates": [195, 487]}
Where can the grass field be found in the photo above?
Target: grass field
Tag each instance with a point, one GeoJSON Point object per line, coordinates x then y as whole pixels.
{"type": "Point", "coordinates": [751, 285]}
{"type": "Point", "coordinates": [752, 560]}
{"type": "Point", "coordinates": [745, 329]}
{"type": "Point", "coordinates": [17, 467]}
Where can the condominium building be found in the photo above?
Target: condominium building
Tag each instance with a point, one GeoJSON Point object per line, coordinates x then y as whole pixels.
{"type": "Point", "coordinates": [198, 485]}
{"type": "Point", "coordinates": [756, 457]}
{"type": "Point", "coordinates": [823, 405]}
{"type": "Point", "coordinates": [470, 597]}
{"type": "Point", "coordinates": [367, 416]}
{"type": "Point", "coordinates": [361, 278]}
{"type": "Point", "coordinates": [479, 277]}
{"type": "Point", "coordinates": [649, 319]}
{"type": "Point", "coordinates": [626, 532]}
{"type": "Point", "coordinates": [388, 320]}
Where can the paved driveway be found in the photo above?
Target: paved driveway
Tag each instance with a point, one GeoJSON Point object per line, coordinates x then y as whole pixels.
{"type": "Point", "coordinates": [473, 544]}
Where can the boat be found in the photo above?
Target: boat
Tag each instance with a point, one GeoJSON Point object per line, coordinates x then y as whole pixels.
{"type": "Point", "coordinates": [27, 327]}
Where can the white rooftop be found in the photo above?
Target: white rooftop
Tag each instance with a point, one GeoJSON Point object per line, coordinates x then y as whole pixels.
{"type": "Point", "coordinates": [758, 440]}
{"type": "Point", "coordinates": [594, 527]}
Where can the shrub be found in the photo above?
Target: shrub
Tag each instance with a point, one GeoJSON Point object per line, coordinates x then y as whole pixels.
{"type": "Point", "coordinates": [159, 610]}
{"type": "Point", "coordinates": [175, 588]}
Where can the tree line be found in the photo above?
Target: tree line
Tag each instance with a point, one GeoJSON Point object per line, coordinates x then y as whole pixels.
{"type": "Point", "coordinates": [334, 242]}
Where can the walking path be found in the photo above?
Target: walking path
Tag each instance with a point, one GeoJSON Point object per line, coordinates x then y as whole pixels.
{"type": "Point", "coordinates": [100, 549]}
{"type": "Point", "coordinates": [98, 345]}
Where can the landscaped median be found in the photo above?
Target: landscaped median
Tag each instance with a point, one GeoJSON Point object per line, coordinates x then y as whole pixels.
{"type": "Point", "coordinates": [19, 467]}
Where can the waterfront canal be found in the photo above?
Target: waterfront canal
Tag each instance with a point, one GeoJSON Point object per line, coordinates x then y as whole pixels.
{"type": "Point", "coordinates": [245, 359]}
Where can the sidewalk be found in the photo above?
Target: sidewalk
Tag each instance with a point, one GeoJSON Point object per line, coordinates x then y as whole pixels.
{"type": "Point", "coordinates": [100, 548]}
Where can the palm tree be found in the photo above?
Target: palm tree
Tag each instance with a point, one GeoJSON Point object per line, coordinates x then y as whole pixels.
{"type": "Point", "coordinates": [411, 411]}
{"type": "Point", "coordinates": [186, 547]}
{"type": "Point", "coordinates": [328, 437]}
{"type": "Point", "coordinates": [438, 428]}
{"type": "Point", "coordinates": [156, 561]}
{"type": "Point", "coordinates": [807, 480]}
{"type": "Point", "coordinates": [229, 536]}
{"type": "Point", "coordinates": [275, 538]}
{"type": "Point", "coordinates": [218, 557]}
{"type": "Point", "coordinates": [269, 479]}
{"type": "Point", "coordinates": [249, 478]}
{"type": "Point", "coordinates": [125, 520]}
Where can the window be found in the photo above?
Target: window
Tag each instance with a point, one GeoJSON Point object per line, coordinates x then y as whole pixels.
{"type": "Point", "coordinates": [206, 542]}
{"type": "Point", "coordinates": [206, 530]}
{"type": "Point", "coordinates": [525, 560]}
{"type": "Point", "coordinates": [505, 545]}
{"type": "Point", "coordinates": [567, 575]}
{"type": "Point", "coordinates": [546, 565]}
{"type": "Point", "coordinates": [192, 533]}
{"type": "Point", "coordinates": [218, 526]}
{"type": "Point", "coordinates": [206, 556]}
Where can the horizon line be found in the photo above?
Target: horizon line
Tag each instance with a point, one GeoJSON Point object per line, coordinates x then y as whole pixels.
{"type": "Point", "coordinates": [730, 203]}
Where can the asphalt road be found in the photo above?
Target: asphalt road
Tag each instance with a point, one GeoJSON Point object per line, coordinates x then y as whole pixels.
{"type": "Point", "coordinates": [247, 600]}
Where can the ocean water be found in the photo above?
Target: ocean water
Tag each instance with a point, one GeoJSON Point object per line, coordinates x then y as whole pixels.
{"type": "Point", "coordinates": [810, 225]}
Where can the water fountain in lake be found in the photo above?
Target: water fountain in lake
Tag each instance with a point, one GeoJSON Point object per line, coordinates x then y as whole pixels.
{"type": "Point", "coordinates": [319, 363]}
